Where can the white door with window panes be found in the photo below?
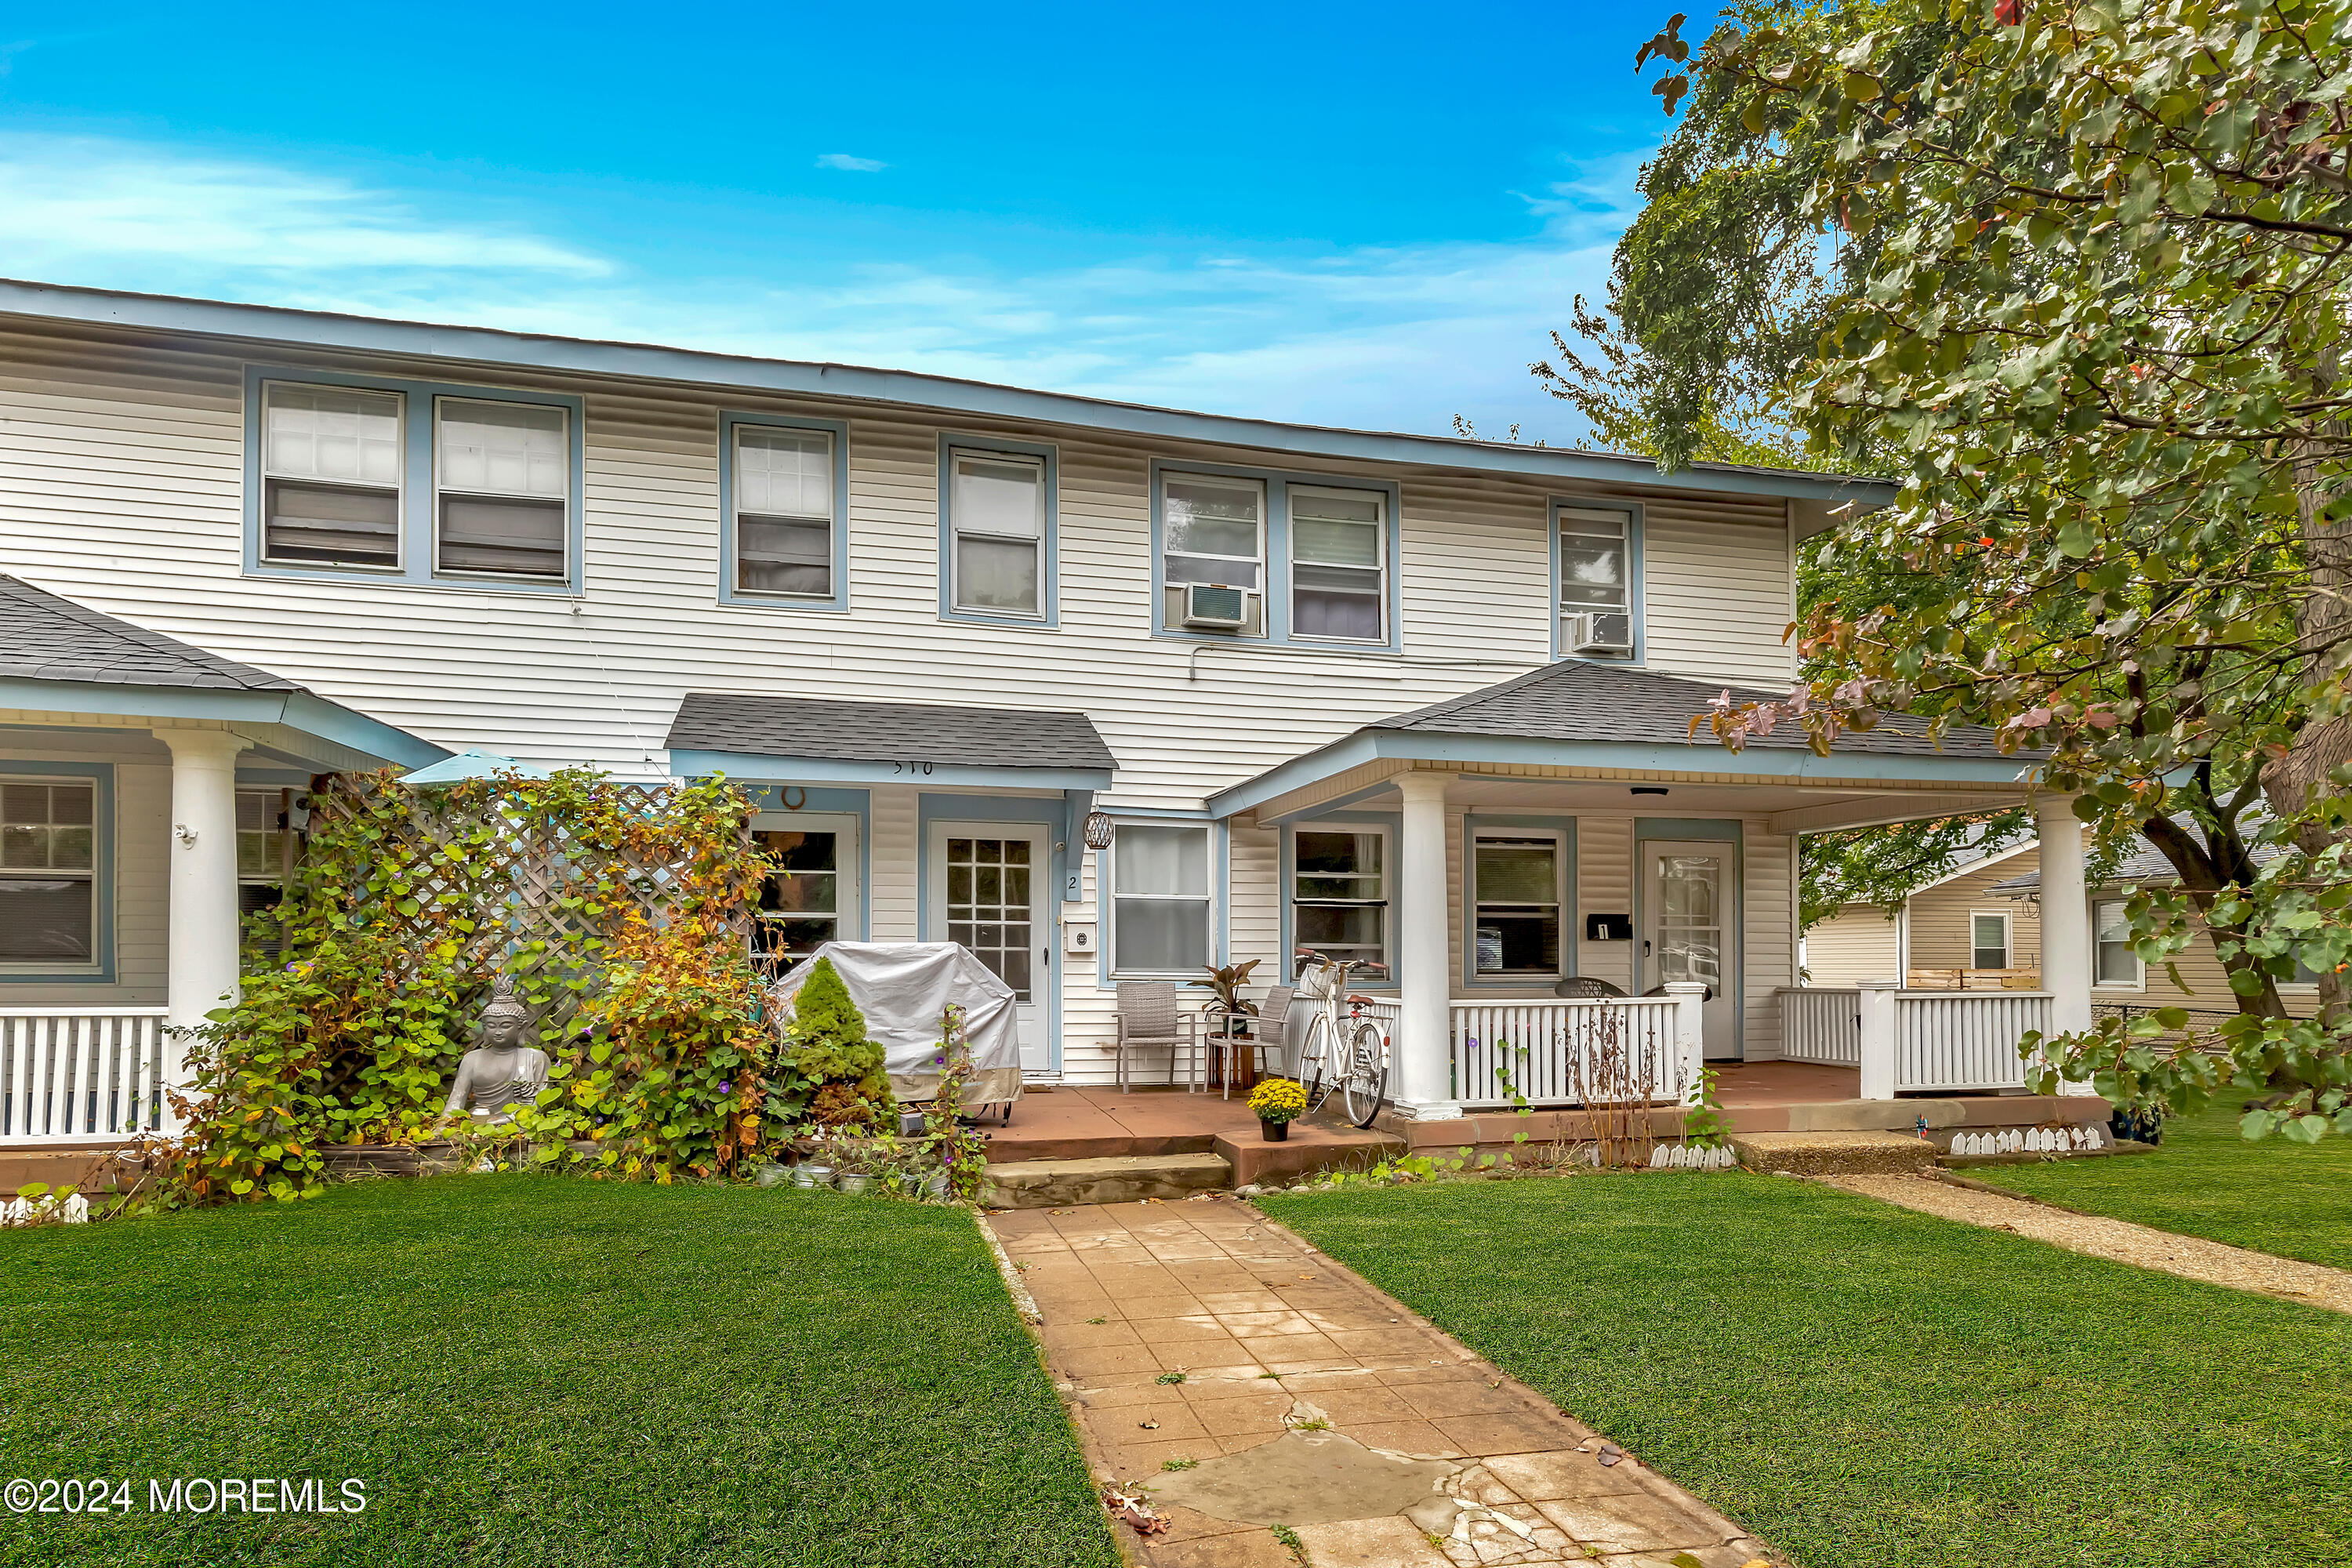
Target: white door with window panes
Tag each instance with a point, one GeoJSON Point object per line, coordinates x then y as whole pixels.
{"type": "Point", "coordinates": [812, 896]}
{"type": "Point", "coordinates": [989, 893]}
{"type": "Point", "coordinates": [1690, 920]}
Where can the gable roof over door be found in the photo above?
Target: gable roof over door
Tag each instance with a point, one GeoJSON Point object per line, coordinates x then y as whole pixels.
{"type": "Point", "coordinates": [749, 735]}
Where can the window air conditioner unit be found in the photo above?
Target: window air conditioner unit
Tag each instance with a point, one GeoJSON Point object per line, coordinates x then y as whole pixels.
{"type": "Point", "coordinates": [1214, 604]}
{"type": "Point", "coordinates": [1600, 631]}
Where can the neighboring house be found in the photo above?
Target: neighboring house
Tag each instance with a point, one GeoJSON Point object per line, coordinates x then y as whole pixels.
{"type": "Point", "coordinates": [1418, 699]}
{"type": "Point", "coordinates": [1980, 925]}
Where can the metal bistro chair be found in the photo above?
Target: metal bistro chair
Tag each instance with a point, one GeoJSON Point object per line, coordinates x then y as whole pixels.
{"type": "Point", "coordinates": [1148, 1018]}
{"type": "Point", "coordinates": [1267, 1033]}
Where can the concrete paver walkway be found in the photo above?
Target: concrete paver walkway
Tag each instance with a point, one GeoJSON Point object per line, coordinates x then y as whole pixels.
{"type": "Point", "coordinates": [2192, 1257]}
{"type": "Point", "coordinates": [1327, 1391]}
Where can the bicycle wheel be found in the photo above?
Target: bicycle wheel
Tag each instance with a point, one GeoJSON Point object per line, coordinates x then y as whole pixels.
{"type": "Point", "coordinates": [1316, 1074]}
{"type": "Point", "coordinates": [1366, 1082]}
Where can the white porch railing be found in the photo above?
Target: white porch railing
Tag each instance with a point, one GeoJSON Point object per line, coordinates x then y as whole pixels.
{"type": "Point", "coordinates": [78, 1073]}
{"type": "Point", "coordinates": [1821, 1023]}
{"type": "Point", "coordinates": [1535, 1048]}
{"type": "Point", "coordinates": [1966, 1040]}
{"type": "Point", "coordinates": [1914, 1041]}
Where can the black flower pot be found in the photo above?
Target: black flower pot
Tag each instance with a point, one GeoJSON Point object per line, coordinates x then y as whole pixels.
{"type": "Point", "coordinates": [1274, 1131]}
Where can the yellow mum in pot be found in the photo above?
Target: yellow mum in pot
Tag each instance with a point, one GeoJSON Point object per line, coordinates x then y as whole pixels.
{"type": "Point", "coordinates": [1278, 1099]}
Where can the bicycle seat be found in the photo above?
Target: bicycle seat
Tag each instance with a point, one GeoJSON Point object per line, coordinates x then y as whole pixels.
{"type": "Point", "coordinates": [1356, 1001]}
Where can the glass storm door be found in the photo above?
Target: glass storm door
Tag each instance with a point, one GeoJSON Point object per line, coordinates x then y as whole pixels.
{"type": "Point", "coordinates": [1690, 904]}
{"type": "Point", "coordinates": [988, 893]}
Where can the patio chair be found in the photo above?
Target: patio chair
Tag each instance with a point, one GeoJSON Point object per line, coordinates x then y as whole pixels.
{"type": "Point", "coordinates": [1269, 1033]}
{"type": "Point", "coordinates": [1148, 1019]}
{"type": "Point", "coordinates": [1585, 988]}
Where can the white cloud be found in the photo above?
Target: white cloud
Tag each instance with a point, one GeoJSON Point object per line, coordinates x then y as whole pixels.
{"type": "Point", "coordinates": [856, 165]}
{"type": "Point", "coordinates": [66, 203]}
{"type": "Point", "coordinates": [1392, 338]}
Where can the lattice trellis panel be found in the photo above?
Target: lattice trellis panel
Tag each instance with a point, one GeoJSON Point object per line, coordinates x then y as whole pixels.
{"type": "Point", "coordinates": [519, 888]}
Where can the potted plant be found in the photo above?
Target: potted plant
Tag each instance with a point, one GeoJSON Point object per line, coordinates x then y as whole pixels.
{"type": "Point", "coordinates": [1278, 1101]}
{"type": "Point", "coordinates": [1227, 983]}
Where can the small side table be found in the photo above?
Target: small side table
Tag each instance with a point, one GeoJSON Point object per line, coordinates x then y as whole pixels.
{"type": "Point", "coordinates": [1233, 1052]}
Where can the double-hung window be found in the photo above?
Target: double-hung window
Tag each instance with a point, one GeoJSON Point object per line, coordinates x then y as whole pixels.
{"type": "Point", "coordinates": [1339, 579]}
{"type": "Point", "coordinates": [502, 482]}
{"type": "Point", "coordinates": [1517, 888]}
{"type": "Point", "coordinates": [1339, 904]}
{"type": "Point", "coordinates": [1596, 577]}
{"type": "Point", "coordinates": [2117, 963]}
{"type": "Point", "coordinates": [1214, 530]}
{"type": "Point", "coordinates": [331, 470]}
{"type": "Point", "coordinates": [1161, 903]}
{"type": "Point", "coordinates": [784, 513]}
{"type": "Point", "coordinates": [1988, 940]}
{"type": "Point", "coordinates": [996, 526]}
{"type": "Point", "coordinates": [48, 874]}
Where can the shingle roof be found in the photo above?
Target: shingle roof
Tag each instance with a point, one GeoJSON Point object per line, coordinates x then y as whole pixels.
{"type": "Point", "coordinates": [2145, 864]}
{"type": "Point", "coordinates": [884, 732]}
{"type": "Point", "coordinates": [1577, 701]}
{"type": "Point", "coordinates": [45, 638]}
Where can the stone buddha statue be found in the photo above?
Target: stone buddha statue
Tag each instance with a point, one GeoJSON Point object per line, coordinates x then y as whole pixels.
{"type": "Point", "coordinates": [502, 1071]}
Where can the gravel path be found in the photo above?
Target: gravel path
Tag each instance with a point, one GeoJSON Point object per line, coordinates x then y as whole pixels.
{"type": "Point", "coordinates": [2192, 1257]}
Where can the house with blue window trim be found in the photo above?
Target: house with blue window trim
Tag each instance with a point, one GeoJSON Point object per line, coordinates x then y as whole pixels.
{"type": "Point", "coordinates": [1420, 700]}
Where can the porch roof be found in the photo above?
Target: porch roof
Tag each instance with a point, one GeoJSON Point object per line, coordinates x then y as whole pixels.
{"type": "Point", "coordinates": [749, 735]}
{"type": "Point", "coordinates": [57, 656]}
{"type": "Point", "coordinates": [1578, 714]}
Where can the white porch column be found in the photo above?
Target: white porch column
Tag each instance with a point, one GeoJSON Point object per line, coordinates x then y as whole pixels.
{"type": "Point", "coordinates": [202, 972]}
{"type": "Point", "coordinates": [1877, 1040]}
{"type": "Point", "coordinates": [2065, 920]}
{"type": "Point", "coordinates": [1424, 1088]}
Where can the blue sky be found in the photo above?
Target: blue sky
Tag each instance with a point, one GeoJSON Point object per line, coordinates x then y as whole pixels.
{"type": "Point", "coordinates": [1365, 215]}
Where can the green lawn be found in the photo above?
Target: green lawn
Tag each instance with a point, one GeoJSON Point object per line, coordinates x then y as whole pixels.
{"type": "Point", "coordinates": [541, 1371]}
{"type": "Point", "coordinates": [2294, 1199]}
{"type": "Point", "coordinates": [1868, 1387]}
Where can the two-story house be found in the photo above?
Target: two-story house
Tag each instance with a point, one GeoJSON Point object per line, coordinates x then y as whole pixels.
{"type": "Point", "coordinates": [1417, 699]}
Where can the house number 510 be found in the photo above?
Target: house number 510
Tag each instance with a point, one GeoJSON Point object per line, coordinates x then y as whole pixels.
{"type": "Point", "coordinates": [923, 768]}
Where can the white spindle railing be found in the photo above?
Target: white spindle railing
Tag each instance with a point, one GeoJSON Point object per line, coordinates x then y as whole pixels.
{"type": "Point", "coordinates": [79, 1073]}
{"type": "Point", "coordinates": [1821, 1023]}
{"type": "Point", "coordinates": [1533, 1047]}
{"type": "Point", "coordinates": [1964, 1040]}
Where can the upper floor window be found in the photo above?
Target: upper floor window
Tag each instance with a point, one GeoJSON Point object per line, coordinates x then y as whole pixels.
{"type": "Point", "coordinates": [785, 512]}
{"type": "Point", "coordinates": [1215, 537]}
{"type": "Point", "coordinates": [48, 874]}
{"type": "Point", "coordinates": [997, 535]}
{"type": "Point", "coordinates": [412, 482]}
{"type": "Point", "coordinates": [1338, 549]}
{"type": "Point", "coordinates": [330, 471]}
{"type": "Point", "coordinates": [1598, 615]}
{"type": "Point", "coordinates": [502, 480]}
{"type": "Point", "coordinates": [1161, 903]}
{"type": "Point", "coordinates": [1338, 888]}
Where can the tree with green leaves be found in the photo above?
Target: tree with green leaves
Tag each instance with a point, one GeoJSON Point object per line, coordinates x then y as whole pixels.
{"type": "Point", "coordinates": [2101, 254]}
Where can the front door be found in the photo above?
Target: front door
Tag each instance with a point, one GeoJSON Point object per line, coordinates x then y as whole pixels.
{"type": "Point", "coordinates": [988, 893]}
{"type": "Point", "coordinates": [1690, 919]}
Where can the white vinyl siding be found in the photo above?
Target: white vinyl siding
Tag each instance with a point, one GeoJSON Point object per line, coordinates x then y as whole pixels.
{"type": "Point", "coordinates": [1161, 905]}
{"type": "Point", "coordinates": [997, 526]}
{"type": "Point", "coordinates": [501, 480]}
{"type": "Point", "coordinates": [330, 467]}
{"type": "Point", "coordinates": [783, 512]}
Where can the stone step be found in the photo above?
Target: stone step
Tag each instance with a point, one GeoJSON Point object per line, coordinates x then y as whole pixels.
{"type": "Point", "coordinates": [1114, 1179]}
{"type": "Point", "coordinates": [1834, 1153]}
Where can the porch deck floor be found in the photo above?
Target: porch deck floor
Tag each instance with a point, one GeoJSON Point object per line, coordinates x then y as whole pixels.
{"type": "Point", "coordinates": [1741, 1084]}
{"type": "Point", "coordinates": [1094, 1124]}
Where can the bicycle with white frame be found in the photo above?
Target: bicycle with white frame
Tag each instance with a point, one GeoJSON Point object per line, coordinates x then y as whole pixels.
{"type": "Point", "coordinates": [1349, 1053]}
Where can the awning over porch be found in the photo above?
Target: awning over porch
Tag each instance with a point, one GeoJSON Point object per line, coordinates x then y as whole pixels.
{"type": "Point", "coordinates": [747, 736]}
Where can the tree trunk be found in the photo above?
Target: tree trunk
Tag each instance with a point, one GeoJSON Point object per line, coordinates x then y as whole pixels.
{"type": "Point", "coordinates": [2205, 869]}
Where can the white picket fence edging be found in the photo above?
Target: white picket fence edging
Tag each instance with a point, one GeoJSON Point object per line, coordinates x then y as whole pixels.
{"type": "Point", "coordinates": [1691, 1157]}
{"type": "Point", "coordinates": [73, 1074]}
{"type": "Point", "coordinates": [2079, 1139]}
